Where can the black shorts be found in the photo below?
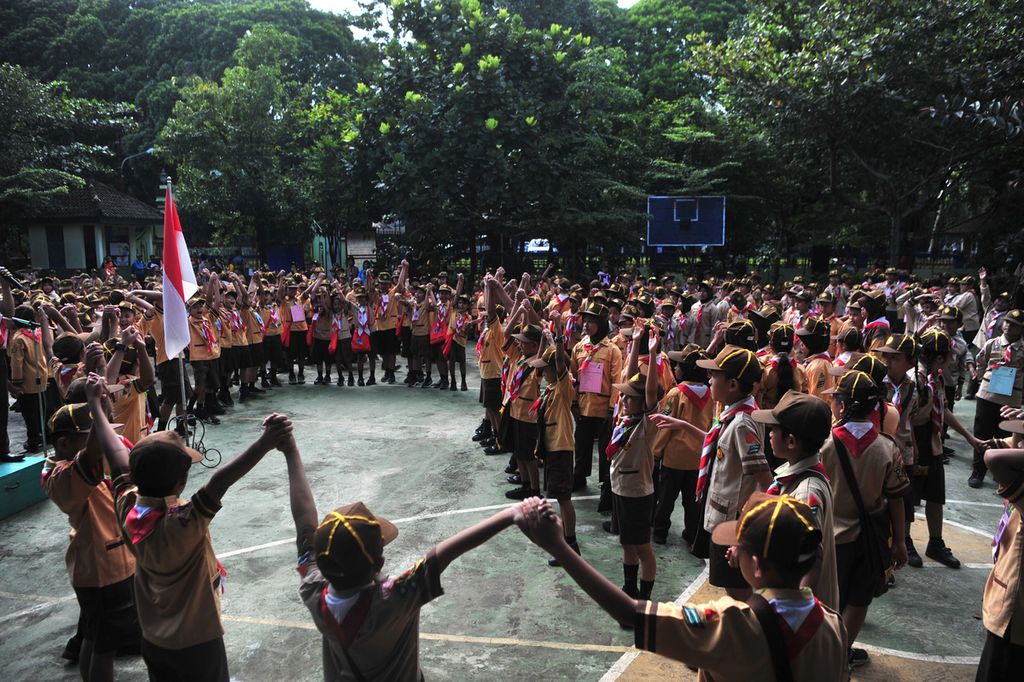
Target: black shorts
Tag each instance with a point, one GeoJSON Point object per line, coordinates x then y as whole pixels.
{"type": "Point", "coordinates": [384, 342]}
{"type": "Point", "coordinates": [170, 382]}
{"type": "Point", "coordinates": [406, 338]}
{"type": "Point", "coordinates": [320, 350]}
{"type": "Point", "coordinates": [720, 573]}
{"type": "Point", "coordinates": [491, 393]}
{"type": "Point", "coordinates": [256, 355]}
{"type": "Point", "coordinates": [928, 476]}
{"type": "Point", "coordinates": [558, 474]}
{"type": "Point", "coordinates": [457, 353]}
{"type": "Point", "coordinates": [524, 440]}
{"type": "Point", "coordinates": [228, 361]}
{"type": "Point", "coordinates": [420, 346]}
{"type": "Point", "coordinates": [633, 518]}
{"type": "Point", "coordinates": [205, 374]}
{"type": "Point", "coordinates": [243, 357]}
{"type": "Point", "coordinates": [206, 662]}
{"type": "Point", "coordinates": [856, 583]}
{"type": "Point", "coordinates": [273, 351]}
{"type": "Point", "coordinates": [108, 616]}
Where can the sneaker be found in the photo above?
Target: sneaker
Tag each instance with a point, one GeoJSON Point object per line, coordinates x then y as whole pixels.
{"type": "Point", "coordinates": [225, 399]}
{"type": "Point", "coordinates": [515, 479]}
{"type": "Point", "coordinates": [969, 396]}
{"type": "Point", "coordinates": [521, 493]}
{"type": "Point", "coordinates": [390, 378]}
{"type": "Point", "coordinates": [857, 657]}
{"type": "Point", "coordinates": [946, 450]}
{"type": "Point", "coordinates": [215, 409]}
{"type": "Point", "coordinates": [255, 390]}
{"type": "Point", "coordinates": [264, 384]}
{"type": "Point", "coordinates": [975, 480]}
{"type": "Point", "coordinates": [913, 558]}
{"type": "Point", "coordinates": [371, 382]}
{"type": "Point", "coordinates": [361, 382]}
{"type": "Point", "coordinates": [938, 551]}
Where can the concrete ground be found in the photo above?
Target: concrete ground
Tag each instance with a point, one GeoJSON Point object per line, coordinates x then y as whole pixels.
{"type": "Point", "coordinates": [506, 614]}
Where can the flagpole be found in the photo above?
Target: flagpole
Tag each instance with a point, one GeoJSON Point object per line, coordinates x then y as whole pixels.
{"type": "Point", "coordinates": [183, 424]}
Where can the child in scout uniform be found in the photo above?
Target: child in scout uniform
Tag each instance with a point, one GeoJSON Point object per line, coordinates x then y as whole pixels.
{"type": "Point", "coordinates": [100, 565]}
{"type": "Point", "coordinates": [421, 317]}
{"type": "Point", "coordinates": [361, 317]}
{"type": "Point", "coordinates": [705, 315]}
{"type": "Point", "coordinates": [991, 323]}
{"type": "Point", "coordinates": [679, 450]}
{"type": "Point", "coordinates": [490, 354]}
{"type": "Point", "coordinates": [596, 365]}
{"type": "Point", "coordinates": [167, 369]}
{"type": "Point", "coordinates": [815, 336]}
{"type": "Point", "coordinates": [273, 345]}
{"type": "Point", "coordinates": [631, 460]}
{"type": "Point", "coordinates": [881, 484]}
{"type": "Point", "coordinates": [341, 337]}
{"type": "Point", "coordinates": [252, 358]}
{"type": "Point", "coordinates": [732, 462]}
{"type": "Point", "coordinates": [798, 426]}
{"type": "Point", "coordinates": [323, 328]}
{"type": "Point", "coordinates": [960, 363]}
{"type": "Point", "coordinates": [443, 313]}
{"type": "Point", "coordinates": [386, 336]}
{"type": "Point", "coordinates": [876, 326]}
{"type": "Point", "coordinates": [369, 623]}
{"type": "Point", "coordinates": [128, 365]}
{"type": "Point", "coordinates": [927, 476]}
{"type": "Point", "coordinates": [555, 427]}
{"type": "Point", "coordinates": [522, 389]}
{"type": "Point", "coordinates": [848, 343]}
{"type": "Point", "coordinates": [774, 543]}
{"type": "Point", "coordinates": [459, 325]}
{"type": "Point", "coordinates": [827, 312]}
{"type": "Point", "coordinates": [294, 311]}
{"type": "Point", "coordinates": [178, 580]}
{"type": "Point", "coordinates": [1000, 367]}
{"type": "Point", "coordinates": [203, 350]}
{"type": "Point", "coordinates": [1003, 603]}
{"type": "Point", "coordinates": [782, 372]}
{"type": "Point", "coordinates": [29, 375]}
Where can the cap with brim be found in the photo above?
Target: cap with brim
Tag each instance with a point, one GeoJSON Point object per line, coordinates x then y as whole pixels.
{"type": "Point", "coordinates": [529, 333]}
{"type": "Point", "coordinates": [813, 326]}
{"type": "Point", "coordinates": [826, 297]}
{"type": "Point", "coordinates": [899, 343]}
{"type": "Point", "coordinates": [71, 418]}
{"type": "Point", "coordinates": [543, 360]}
{"type": "Point", "coordinates": [635, 387]}
{"type": "Point", "coordinates": [861, 362]}
{"type": "Point", "coordinates": [802, 414]}
{"type": "Point", "coordinates": [349, 543]}
{"type": "Point", "coordinates": [935, 342]}
{"type": "Point", "coordinates": [595, 309]}
{"type": "Point", "coordinates": [1012, 426]}
{"type": "Point", "coordinates": [691, 353]}
{"type": "Point", "coordinates": [1014, 317]}
{"type": "Point", "coordinates": [951, 312]}
{"type": "Point", "coordinates": [161, 444]}
{"type": "Point", "coordinates": [858, 385]}
{"type": "Point", "coordinates": [781, 529]}
{"type": "Point", "coordinates": [737, 363]}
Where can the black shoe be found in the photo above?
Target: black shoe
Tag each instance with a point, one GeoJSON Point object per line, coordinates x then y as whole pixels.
{"type": "Point", "coordinates": [371, 382]}
{"type": "Point", "coordinates": [71, 649]}
{"type": "Point", "coordinates": [969, 396]}
{"type": "Point", "coordinates": [659, 538]}
{"type": "Point", "coordinates": [351, 382]}
{"type": "Point", "coordinates": [215, 409]}
{"type": "Point", "coordinates": [257, 391]}
{"type": "Point", "coordinates": [440, 383]}
{"type": "Point", "coordinates": [946, 450]}
{"type": "Point", "coordinates": [511, 469]}
{"type": "Point", "coordinates": [341, 381]}
{"type": "Point", "coordinates": [265, 384]}
{"type": "Point", "coordinates": [242, 396]}
{"type": "Point", "coordinates": [291, 380]}
{"type": "Point", "coordinates": [390, 378]}
{"type": "Point", "coordinates": [857, 658]}
{"type": "Point", "coordinates": [976, 480]}
{"type": "Point", "coordinates": [318, 381]}
{"type": "Point", "coordinates": [515, 479]}
{"type": "Point", "coordinates": [913, 558]}
{"type": "Point", "coordinates": [521, 493]}
{"type": "Point", "coordinates": [495, 450]}
{"type": "Point", "coordinates": [10, 459]}
{"type": "Point", "coordinates": [301, 379]}
{"type": "Point", "coordinates": [361, 382]}
{"type": "Point", "coordinates": [225, 399]}
{"type": "Point", "coordinates": [482, 435]}
{"type": "Point", "coordinates": [410, 379]}
{"type": "Point", "coordinates": [452, 387]}
{"type": "Point", "coordinates": [938, 551]}
{"type": "Point", "coordinates": [464, 387]}
{"type": "Point", "coordinates": [427, 383]}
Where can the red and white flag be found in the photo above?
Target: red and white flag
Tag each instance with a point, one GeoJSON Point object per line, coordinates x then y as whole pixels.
{"type": "Point", "coordinates": [179, 280]}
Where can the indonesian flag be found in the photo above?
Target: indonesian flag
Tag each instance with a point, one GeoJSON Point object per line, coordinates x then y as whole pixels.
{"type": "Point", "coordinates": [179, 280]}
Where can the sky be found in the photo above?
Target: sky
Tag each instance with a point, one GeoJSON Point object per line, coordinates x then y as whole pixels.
{"type": "Point", "coordinates": [352, 5]}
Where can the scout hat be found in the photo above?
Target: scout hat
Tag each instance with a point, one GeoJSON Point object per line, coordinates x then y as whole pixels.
{"type": "Point", "coordinates": [543, 360]}
{"type": "Point", "coordinates": [900, 343]}
{"type": "Point", "coordinates": [857, 385]}
{"type": "Point", "coordinates": [159, 460]}
{"type": "Point", "coordinates": [737, 363]}
{"type": "Point", "coordinates": [849, 335]}
{"type": "Point", "coordinates": [71, 418]}
{"type": "Point", "coordinates": [951, 312]}
{"type": "Point", "coordinates": [867, 363]}
{"type": "Point", "coordinates": [595, 309]}
{"type": "Point", "coordinates": [781, 529]}
{"type": "Point", "coordinates": [1015, 316]}
{"type": "Point", "coordinates": [690, 354]}
{"type": "Point", "coordinates": [636, 387]}
{"type": "Point", "coordinates": [934, 342]}
{"type": "Point", "coordinates": [826, 297]}
{"type": "Point", "coordinates": [349, 543]}
{"type": "Point", "coordinates": [812, 326]}
{"type": "Point", "coordinates": [741, 333]}
{"type": "Point", "coordinates": [384, 276]}
{"type": "Point", "coordinates": [780, 336]}
{"type": "Point", "coordinates": [967, 280]}
{"type": "Point", "coordinates": [802, 414]}
{"type": "Point", "coordinates": [529, 333]}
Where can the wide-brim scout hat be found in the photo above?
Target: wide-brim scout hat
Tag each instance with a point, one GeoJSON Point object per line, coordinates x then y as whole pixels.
{"type": "Point", "coordinates": [349, 543]}
{"type": "Point", "coordinates": [813, 326]}
{"type": "Point", "coordinates": [575, 296]}
{"type": "Point", "coordinates": [529, 333]}
{"type": "Point", "coordinates": [768, 314]}
{"type": "Point", "coordinates": [636, 387]}
{"type": "Point", "coordinates": [874, 299]}
{"type": "Point", "coordinates": [870, 364]}
{"type": "Point", "coordinates": [543, 360]}
{"type": "Point", "coordinates": [967, 280]}
{"type": "Point", "coordinates": [780, 335]}
{"type": "Point", "coordinates": [899, 343]}
{"type": "Point", "coordinates": [779, 528]}
{"type": "Point", "coordinates": [951, 312]}
{"type": "Point", "coordinates": [737, 363]}
{"type": "Point", "coordinates": [826, 297]}
{"type": "Point", "coordinates": [859, 386]}
{"type": "Point", "coordinates": [598, 295]}
{"type": "Point", "coordinates": [596, 310]}
{"type": "Point", "coordinates": [644, 299]}
{"type": "Point", "coordinates": [445, 289]}
{"type": "Point", "coordinates": [1015, 316]}
{"type": "Point", "coordinates": [802, 414]}
{"type": "Point", "coordinates": [689, 355]}
{"type": "Point", "coordinates": [71, 418]}
{"type": "Point", "coordinates": [934, 342]}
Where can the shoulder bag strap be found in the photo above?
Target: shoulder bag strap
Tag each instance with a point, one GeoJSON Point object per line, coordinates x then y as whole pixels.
{"type": "Point", "coordinates": [769, 621]}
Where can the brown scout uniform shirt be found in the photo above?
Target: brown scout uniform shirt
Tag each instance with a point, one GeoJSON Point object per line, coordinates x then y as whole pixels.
{"type": "Point", "coordinates": [991, 355]}
{"type": "Point", "coordinates": [491, 353]}
{"type": "Point", "coordinates": [680, 449]}
{"type": "Point", "coordinates": [27, 362]}
{"type": "Point", "coordinates": [529, 388]}
{"type": "Point", "coordinates": [1002, 609]}
{"type": "Point", "coordinates": [558, 433]}
{"type": "Point", "coordinates": [610, 357]}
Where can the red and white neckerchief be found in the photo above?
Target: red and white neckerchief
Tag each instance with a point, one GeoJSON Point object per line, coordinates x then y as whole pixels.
{"type": "Point", "coordinates": [707, 451]}
{"type": "Point", "coordinates": [505, 367]}
{"type": "Point", "coordinates": [36, 335]}
{"type": "Point", "coordinates": [142, 520]}
{"type": "Point", "coordinates": [938, 411]}
{"type": "Point", "coordinates": [480, 341]}
{"type": "Point", "coordinates": [362, 321]}
{"type": "Point", "coordinates": [259, 319]}
{"type": "Point", "coordinates": [542, 401]}
{"type": "Point", "coordinates": [780, 481]}
{"type": "Point", "coordinates": [856, 436]}
{"type": "Point", "coordinates": [562, 298]}
{"type": "Point", "coordinates": [897, 393]}
{"type": "Point", "coordinates": [740, 313]}
{"type": "Point", "coordinates": [572, 323]}
{"type": "Point", "coordinates": [1004, 521]}
{"type": "Point", "coordinates": [207, 333]}
{"type": "Point", "coordinates": [383, 302]}
{"type": "Point", "coordinates": [516, 381]}
{"type": "Point", "coordinates": [843, 358]}
{"type": "Point", "coordinates": [991, 327]}
{"type": "Point", "coordinates": [589, 351]}
{"type": "Point", "coordinates": [460, 323]}
{"type": "Point", "coordinates": [273, 317]}
{"type": "Point", "coordinates": [698, 394]}
{"type": "Point", "coordinates": [817, 356]}
{"type": "Point", "coordinates": [880, 323]}
{"type": "Point", "coordinates": [415, 312]}
{"type": "Point", "coordinates": [621, 434]}
{"type": "Point", "coordinates": [777, 360]}
{"type": "Point", "coordinates": [700, 314]}
{"type": "Point", "coordinates": [235, 319]}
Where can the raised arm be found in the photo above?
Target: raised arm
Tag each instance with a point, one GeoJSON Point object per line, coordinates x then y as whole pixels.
{"type": "Point", "coordinates": [458, 285]}
{"type": "Point", "coordinates": [451, 549]}
{"type": "Point", "coordinates": [45, 333]}
{"type": "Point", "coordinates": [634, 348]}
{"type": "Point", "coordinates": [148, 309]}
{"type": "Point", "coordinates": [113, 448]}
{"type": "Point", "coordinates": [651, 387]}
{"type": "Point", "coordinates": [300, 496]}
{"type": "Point", "coordinates": [147, 375]}
{"type": "Point", "coordinates": [275, 428]}
{"type": "Point", "coordinates": [403, 276]}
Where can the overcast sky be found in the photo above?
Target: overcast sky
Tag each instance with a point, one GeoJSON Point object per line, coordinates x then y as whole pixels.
{"type": "Point", "coordinates": [352, 5]}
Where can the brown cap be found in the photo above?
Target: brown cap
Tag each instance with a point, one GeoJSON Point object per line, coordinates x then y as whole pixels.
{"type": "Point", "coordinates": [689, 354]}
{"type": "Point", "coordinates": [781, 529]}
{"type": "Point", "coordinates": [849, 335]}
{"type": "Point", "coordinates": [781, 334]}
{"type": "Point", "coordinates": [769, 312]}
{"type": "Point", "coordinates": [867, 363]}
{"type": "Point", "coordinates": [595, 309]}
{"type": "Point", "coordinates": [900, 343]}
{"type": "Point", "coordinates": [1015, 316]}
{"type": "Point", "coordinates": [161, 444]}
{"type": "Point", "coordinates": [349, 543]}
{"type": "Point", "coordinates": [636, 387]}
{"type": "Point", "coordinates": [737, 363]}
{"type": "Point", "coordinates": [529, 333]}
{"type": "Point", "coordinates": [951, 312]}
{"type": "Point", "coordinates": [813, 326]}
{"type": "Point", "coordinates": [858, 385]}
{"type": "Point", "coordinates": [71, 418]}
{"type": "Point", "coordinates": [934, 342]}
{"type": "Point", "coordinates": [740, 331]}
{"type": "Point", "coordinates": [826, 297]}
{"type": "Point", "coordinates": [544, 359]}
{"type": "Point", "coordinates": [805, 415]}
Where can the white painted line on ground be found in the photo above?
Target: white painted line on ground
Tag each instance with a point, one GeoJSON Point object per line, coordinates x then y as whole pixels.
{"type": "Point", "coordinates": [408, 519]}
{"type": "Point", "coordinates": [35, 609]}
{"type": "Point", "coordinates": [924, 658]}
{"type": "Point", "coordinates": [961, 526]}
{"type": "Point", "coordinates": [620, 666]}
{"type": "Point", "coordinates": [972, 503]}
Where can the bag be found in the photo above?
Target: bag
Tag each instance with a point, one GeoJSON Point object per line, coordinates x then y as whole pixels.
{"type": "Point", "coordinates": [875, 529]}
{"type": "Point", "coordinates": [769, 622]}
{"type": "Point", "coordinates": [504, 436]}
{"type": "Point", "coordinates": [360, 342]}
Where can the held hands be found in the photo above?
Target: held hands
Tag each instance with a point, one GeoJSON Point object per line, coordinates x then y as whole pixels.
{"type": "Point", "coordinates": [95, 389]}
{"type": "Point", "coordinates": [539, 522]}
{"type": "Point", "coordinates": [276, 429]}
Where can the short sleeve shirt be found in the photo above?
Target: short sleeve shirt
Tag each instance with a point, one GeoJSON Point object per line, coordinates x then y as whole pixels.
{"type": "Point", "coordinates": [632, 467]}
{"type": "Point", "coordinates": [739, 459]}
{"type": "Point", "coordinates": [1003, 603]}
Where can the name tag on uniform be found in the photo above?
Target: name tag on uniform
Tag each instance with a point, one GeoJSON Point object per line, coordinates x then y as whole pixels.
{"type": "Point", "coordinates": [298, 314]}
{"type": "Point", "coordinates": [1002, 380]}
{"type": "Point", "coordinates": [591, 378]}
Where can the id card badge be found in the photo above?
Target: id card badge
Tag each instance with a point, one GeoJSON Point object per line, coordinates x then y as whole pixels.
{"type": "Point", "coordinates": [591, 378]}
{"type": "Point", "coordinates": [298, 313]}
{"type": "Point", "coordinates": [1002, 380]}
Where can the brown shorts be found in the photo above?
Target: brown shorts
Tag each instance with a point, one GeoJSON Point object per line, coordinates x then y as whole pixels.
{"type": "Point", "coordinates": [633, 517]}
{"type": "Point", "coordinates": [205, 374]}
{"type": "Point", "coordinates": [558, 474]}
{"type": "Point", "coordinates": [524, 440]}
{"type": "Point", "coordinates": [491, 389]}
